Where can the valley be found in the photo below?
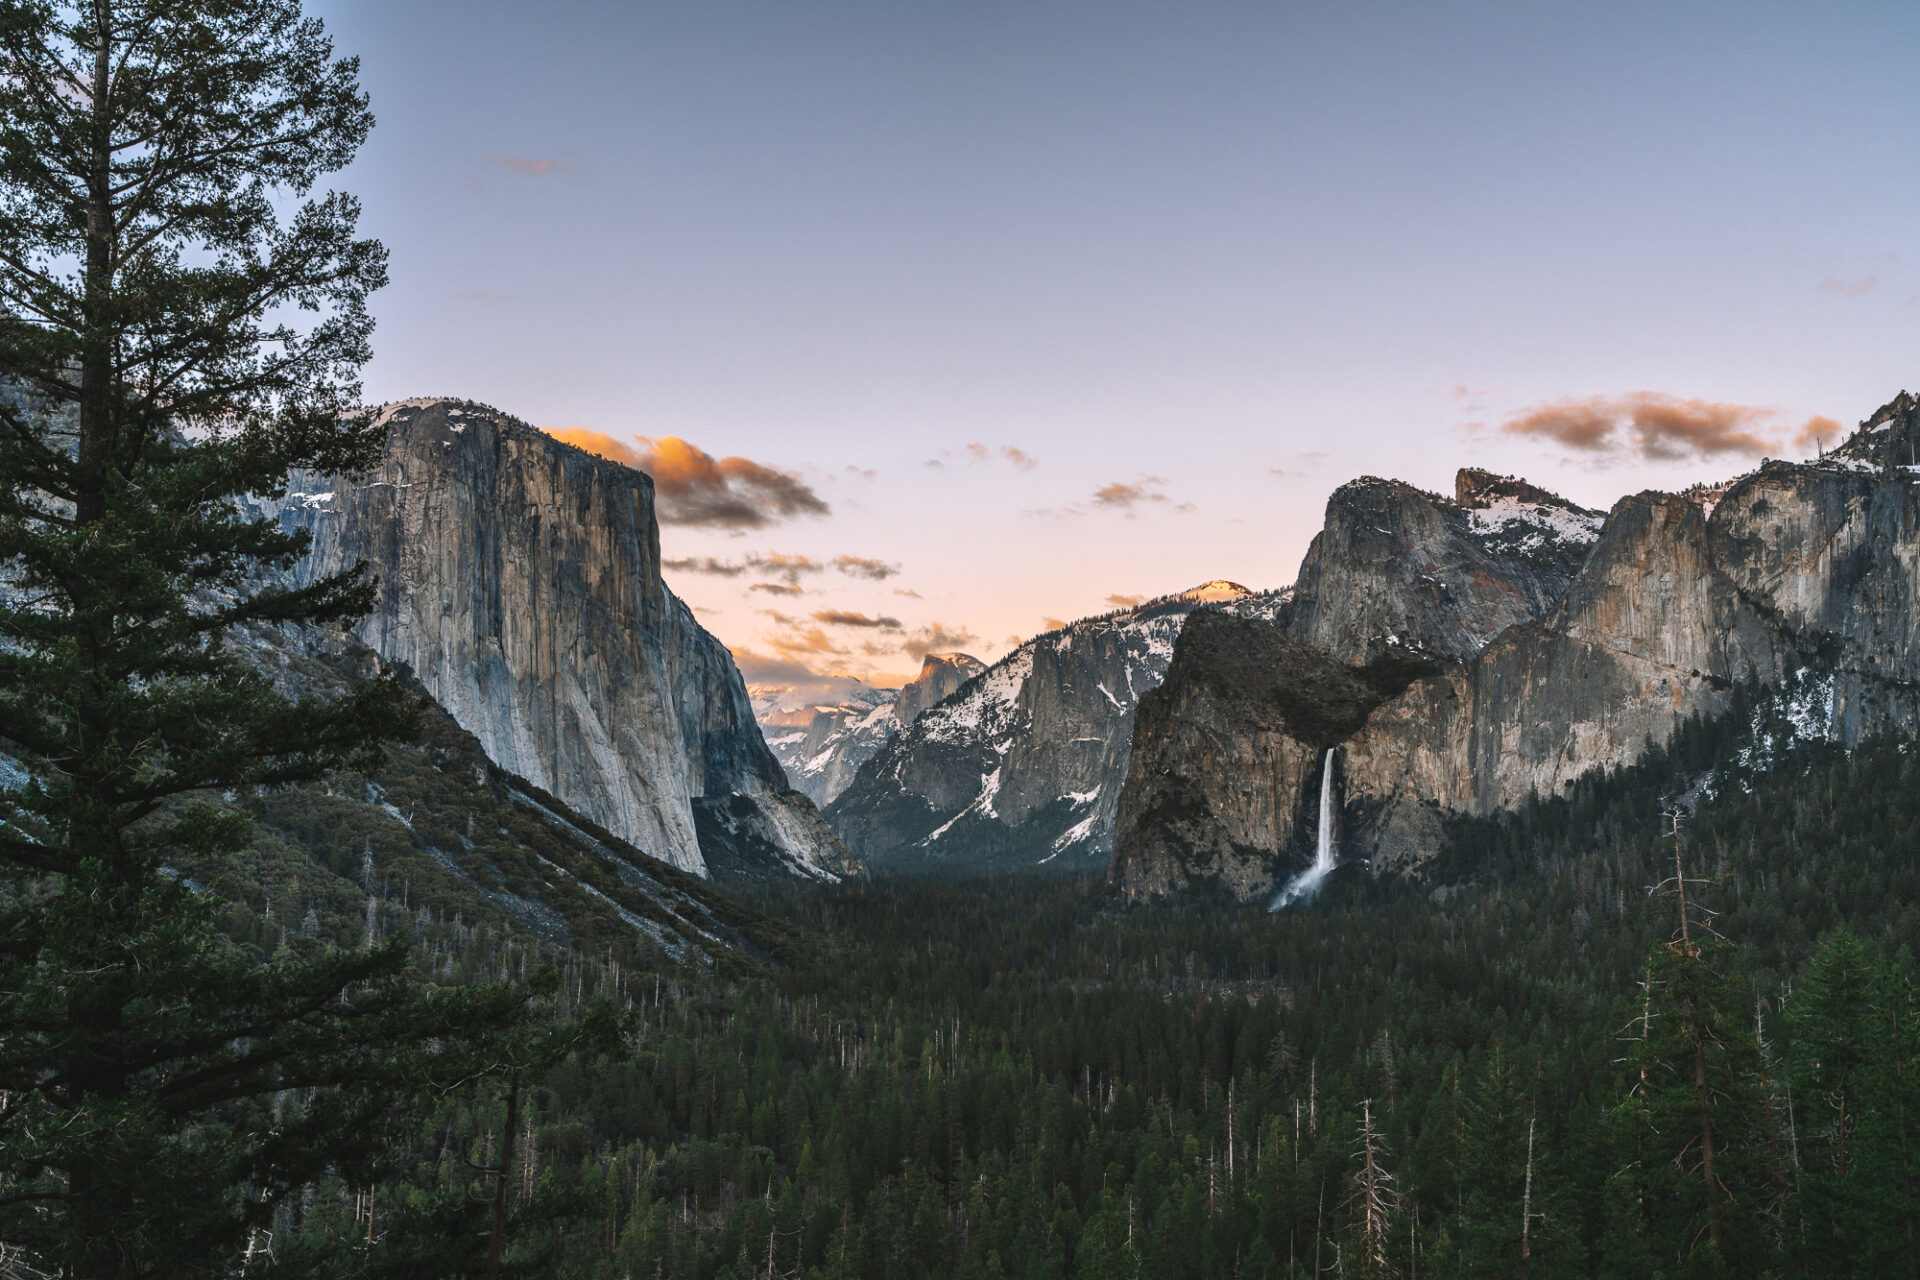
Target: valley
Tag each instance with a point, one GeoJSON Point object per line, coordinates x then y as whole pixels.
{"type": "Point", "coordinates": [1027, 998]}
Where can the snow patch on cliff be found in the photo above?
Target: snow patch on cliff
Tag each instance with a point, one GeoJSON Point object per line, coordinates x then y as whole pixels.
{"type": "Point", "coordinates": [1528, 526]}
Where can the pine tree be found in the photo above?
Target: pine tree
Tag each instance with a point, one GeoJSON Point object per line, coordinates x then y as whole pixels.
{"type": "Point", "coordinates": [159, 237]}
{"type": "Point", "coordinates": [1833, 1024]}
{"type": "Point", "coordinates": [1689, 1132]}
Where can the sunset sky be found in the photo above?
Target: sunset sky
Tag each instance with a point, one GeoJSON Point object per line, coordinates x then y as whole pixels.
{"type": "Point", "coordinates": [936, 322]}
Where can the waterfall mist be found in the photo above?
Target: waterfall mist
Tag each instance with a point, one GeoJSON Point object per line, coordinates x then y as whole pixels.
{"type": "Point", "coordinates": [1305, 885]}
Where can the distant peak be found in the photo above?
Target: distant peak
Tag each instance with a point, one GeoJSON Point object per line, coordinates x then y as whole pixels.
{"type": "Point", "coordinates": [941, 661]}
{"type": "Point", "coordinates": [1215, 591]}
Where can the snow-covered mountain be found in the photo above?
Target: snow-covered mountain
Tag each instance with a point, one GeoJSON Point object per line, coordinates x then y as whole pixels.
{"type": "Point", "coordinates": [823, 745]}
{"type": "Point", "coordinates": [1023, 764]}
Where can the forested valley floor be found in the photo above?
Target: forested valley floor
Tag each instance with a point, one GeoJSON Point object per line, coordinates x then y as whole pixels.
{"type": "Point", "coordinates": [1514, 1065]}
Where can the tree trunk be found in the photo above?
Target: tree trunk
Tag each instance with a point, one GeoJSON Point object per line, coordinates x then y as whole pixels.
{"type": "Point", "coordinates": [96, 358]}
{"type": "Point", "coordinates": [497, 1240]}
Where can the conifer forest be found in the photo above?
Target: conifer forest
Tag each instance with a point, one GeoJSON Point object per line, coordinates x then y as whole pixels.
{"type": "Point", "coordinates": [1523, 1066]}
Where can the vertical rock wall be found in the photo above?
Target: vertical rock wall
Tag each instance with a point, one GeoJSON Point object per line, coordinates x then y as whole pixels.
{"type": "Point", "coordinates": [520, 584]}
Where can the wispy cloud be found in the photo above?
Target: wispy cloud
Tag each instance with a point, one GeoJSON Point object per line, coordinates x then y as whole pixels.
{"type": "Point", "coordinates": [936, 637]}
{"type": "Point", "coordinates": [1126, 496]}
{"type": "Point", "coordinates": [844, 618]}
{"type": "Point", "coordinates": [798, 641]}
{"type": "Point", "coordinates": [704, 564]}
{"type": "Point", "coordinates": [976, 452]}
{"type": "Point", "coordinates": [786, 566]}
{"type": "Point", "coordinates": [1848, 288]}
{"type": "Point", "coordinates": [1126, 602]}
{"type": "Point", "coordinates": [862, 567]}
{"type": "Point", "coordinates": [537, 166]}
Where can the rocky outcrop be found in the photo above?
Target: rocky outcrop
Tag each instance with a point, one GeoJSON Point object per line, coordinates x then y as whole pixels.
{"type": "Point", "coordinates": [1795, 572]}
{"type": "Point", "coordinates": [520, 585]}
{"type": "Point", "coordinates": [1396, 566]}
{"type": "Point", "coordinates": [1023, 764]}
{"type": "Point", "coordinates": [823, 746]}
{"type": "Point", "coordinates": [941, 675]}
{"type": "Point", "coordinates": [1246, 715]}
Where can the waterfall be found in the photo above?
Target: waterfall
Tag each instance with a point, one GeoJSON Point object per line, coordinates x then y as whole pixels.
{"type": "Point", "coordinates": [1307, 883]}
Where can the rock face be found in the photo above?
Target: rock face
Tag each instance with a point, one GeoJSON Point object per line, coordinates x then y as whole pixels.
{"type": "Point", "coordinates": [823, 747]}
{"type": "Point", "coordinates": [520, 584]}
{"type": "Point", "coordinates": [1801, 576]}
{"type": "Point", "coordinates": [1023, 764]}
{"type": "Point", "coordinates": [941, 675]}
{"type": "Point", "coordinates": [1396, 566]}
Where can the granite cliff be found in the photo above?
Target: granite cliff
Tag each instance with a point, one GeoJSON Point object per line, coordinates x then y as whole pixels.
{"type": "Point", "coordinates": [1800, 578]}
{"type": "Point", "coordinates": [1396, 566]}
{"type": "Point", "coordinates": [520, 586]}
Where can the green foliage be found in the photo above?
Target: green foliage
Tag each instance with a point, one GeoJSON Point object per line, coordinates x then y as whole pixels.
{"type": "Point", "coordinates": [181, 324]}
{"type": "Point", "coordinates": [1021, 1077]}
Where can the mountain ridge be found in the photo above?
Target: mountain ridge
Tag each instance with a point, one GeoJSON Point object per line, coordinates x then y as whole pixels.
{"type": "Point", "coordinates": [1680, 599]}
{"type": "Point", "coordinates": [1021, 765]}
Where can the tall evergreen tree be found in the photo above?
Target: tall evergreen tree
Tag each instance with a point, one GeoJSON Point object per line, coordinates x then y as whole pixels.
{"type": "Point", "coordinates": [1689, 1134]}
{"type": "Point", "coordinates": [1837, 1038]}
{"type": "Point", "coordinates": [181, 324]}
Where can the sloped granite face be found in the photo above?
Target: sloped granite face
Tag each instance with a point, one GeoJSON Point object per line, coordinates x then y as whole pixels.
{"type": "Point", "coordinates": [1228, 754]}
{"type": "Point", "coordinates": [1797, 568]}
{"type": "Point", "coordinates": [1397, 567]}
{"type": "Point", "coordinates": [520, 583]}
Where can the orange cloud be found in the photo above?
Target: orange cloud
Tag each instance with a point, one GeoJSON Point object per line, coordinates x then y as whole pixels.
{"type": "Point", "coordinates": [696, 488]}
{"type": "Point", "coordinates": [1019, 457]}
{"type": "Point", "coordinates": [1126, 602]}
{"type": "Point", "coordinates": [805, 641]}
{"type": "Point", "coordinates": [778, 588]}
{"type": "Point", "coordinates": [1818, 433]}
{"type": "Point", "coordinates": [735, 493]}
{"type": "Point", "coordinates": [1656, 426]}
{"type": "Point", "coordinates": [597, 444]}
{"type": "Point", "coordinates": [936, 637]}
{"type": "Point", "coordinates": [842, 618]}
{"type": "Point", "coordinates": [1124, 496]}
{"type": "Point", "coordinates": [1053, 624]}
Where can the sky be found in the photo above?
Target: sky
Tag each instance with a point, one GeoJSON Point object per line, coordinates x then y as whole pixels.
{"type": "Point", "coordinates": [938, 323]}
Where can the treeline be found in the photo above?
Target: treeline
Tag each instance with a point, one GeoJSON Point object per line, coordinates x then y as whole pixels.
{"type": "Point", "coordinates": [1522, 1069]}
